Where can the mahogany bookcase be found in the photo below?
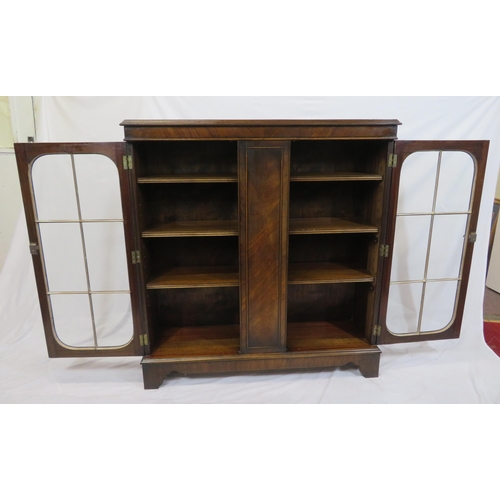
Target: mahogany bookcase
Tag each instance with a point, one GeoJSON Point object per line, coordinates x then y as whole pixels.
{"type": "Point", "coordinates": [257, 245]}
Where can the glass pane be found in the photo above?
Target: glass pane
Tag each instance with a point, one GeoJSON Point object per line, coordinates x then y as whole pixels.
{"type": "Point", "coordinates": [54, 188]}
{"type": "Point", "coordinates": [106, 257]}
{"type": "Point", "coordinates": [403, 308]}
{"type": "Point", "coordinates": [439, 305]}
{"type": "Point", "coordinates": [456, 178]}
{"type": "Point", "coordinates": [410, 247]}
{"type": "Point", "coordinates": [418, 171]}
{"type": "Point", "coordinates": [63, 257]}
{"type": "Point", "coordinates": [447, 246]}
{"type": "Point", "coordinates": [113, 319]}
{"type": "Point", "coordinates": [98, 187]}
{"type": "Point", "coordinates": [72, 320]}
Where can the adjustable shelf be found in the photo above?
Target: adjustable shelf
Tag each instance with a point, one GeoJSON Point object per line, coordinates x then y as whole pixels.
{"type": "Point", "coordinates": [325, 335]}
{"type": "Point", "coordinates": [196, 277]}
{"type": "Point", "coordinates": [328, 225]}
{"type": "Point", "coordinates": [193, 228]}
{"type": "Point", "coordinates": [197, 341]}
{"type": "Point", "coordinates": [188, 179]}
{"type": "Point", "coordinates": [325, 272]}
{"type": "Point", "coordinates": [335, 176]}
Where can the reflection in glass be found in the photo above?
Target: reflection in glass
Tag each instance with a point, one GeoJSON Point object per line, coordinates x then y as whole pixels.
{"type": "Point", "coordinates": [456, 176]}
{"type": "Point", "coordinates": [98, 187]}
{"type": "Point", "coordinates": [54, 188]}
{"type": "Point", "coordinates": [63, 257]}
{"type": "Point", "coordinates": [429, 249]}
{"type": "Point", "coordinates": [113, 318]}
{"type": "Point", "coordinates": [73, 320]}
{"type": "Point", "coordinates": [403, 308]}
{"type": "Point", "coordinates": [106, 257]}
{"type": "Point", "coordinates": [411, 237]}
{"type": "Point", "coordinates": [419, 169]}
{"type": "Point", "coordinates": [447, 246]}
{"type": "Point", "coordinates": [439, 305]}
{"type": "Point", "coordinates": [83, 256]}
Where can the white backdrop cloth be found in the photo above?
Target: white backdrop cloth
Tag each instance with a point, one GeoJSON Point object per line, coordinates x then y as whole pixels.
{"type": "Point", "coordinates": [451, 371]}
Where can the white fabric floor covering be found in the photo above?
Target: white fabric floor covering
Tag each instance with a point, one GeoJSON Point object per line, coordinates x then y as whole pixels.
{"type": "Point", "coordinates": [454, 371]}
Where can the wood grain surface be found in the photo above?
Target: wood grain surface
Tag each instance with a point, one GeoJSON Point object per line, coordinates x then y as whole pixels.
{"type": "Point", "coordinates": [264, 180]}
{"type": "Point", "coordinates": [187, 179]}
{"type": "Point", "coordinates": [335, 177]}
{"type": "Point", "coordinates": [193, 228]}
{"type": "Point", "coordinates": [196, 277]}
{"type": "Point", "coordinates": [325, 272]}
{"type": "Point", "coordinates": [328, 225]}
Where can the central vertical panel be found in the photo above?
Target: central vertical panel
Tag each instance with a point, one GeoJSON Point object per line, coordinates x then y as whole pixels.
{"type": "Point", "coordinates": [264, 180]}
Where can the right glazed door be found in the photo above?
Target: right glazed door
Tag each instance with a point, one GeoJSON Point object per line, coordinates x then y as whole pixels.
{"type": "Point", "coordinates": [432, 219]}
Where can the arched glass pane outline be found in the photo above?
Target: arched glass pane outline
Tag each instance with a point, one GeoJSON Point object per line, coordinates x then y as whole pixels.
{"type": "Point", "coordinates": [425, 280]}
{"type": "Point", "coordinates": [80, 222]}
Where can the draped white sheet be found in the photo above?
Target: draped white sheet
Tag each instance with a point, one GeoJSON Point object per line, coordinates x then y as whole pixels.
{"type": "Point", "coordinates": [463, 370]}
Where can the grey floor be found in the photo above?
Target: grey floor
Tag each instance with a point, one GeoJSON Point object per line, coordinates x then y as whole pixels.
{"type": "Point", "coordinates": [491, 305]}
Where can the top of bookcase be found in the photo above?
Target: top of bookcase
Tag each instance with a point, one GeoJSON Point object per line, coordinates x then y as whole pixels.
{"type": "Point", "coordinates": [154, 130]}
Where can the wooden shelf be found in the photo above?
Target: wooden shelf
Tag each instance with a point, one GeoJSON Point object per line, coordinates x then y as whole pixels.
{"type": "Point", "coordinates": [196, 277]}
{"type": "Point", "coordinates": [224, 340]}
{"type": "Point", "coordinates": [328, 225]}
{"type": "Point", "coordinates": [325, 335]}
{"type": "Point", "coordinates": [325, 272]}
{"type": "Point", "coordinates": [335, 176]}
{"type": "Point", "coordinates": [188, 178]}
{"type": "Point", "coordinates": [195, 341]}
{"type": "Point", "coordinates": [193, 228]}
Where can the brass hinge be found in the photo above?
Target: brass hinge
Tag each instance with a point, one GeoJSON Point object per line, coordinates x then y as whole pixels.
{"type": "Point", "coordinates": [144, 340]}
{"type": "Point", "coordinates": [377, 330]}
{"type": "Point", "coordinates": [384, 250]}
{"type": "Point", "coordinates": [473, 237]}
{"type": "Point", "coordinates": [127, 162]}
{"type": "Point", "coordinates": [136, 257]}
{"type": "Point", "coordinates": [393, 160]}
{"type": "Point", "coordinates": [34, 249]}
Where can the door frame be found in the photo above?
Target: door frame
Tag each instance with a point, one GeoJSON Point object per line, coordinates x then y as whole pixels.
{"type": "Point", "coordinates": [26, 154]}
{"type": "Point", "coordinates": [478, 150]}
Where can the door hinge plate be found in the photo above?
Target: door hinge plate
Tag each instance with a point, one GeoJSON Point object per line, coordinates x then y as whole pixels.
{"type": "Point", "coordinates": [127, 162]}
{"type": "Point", "coordinates": [377, 329]}
{"type": "Point", "coordinates": [144, 340]}
{"type": "Point", "coordinates": [473, 237]}
{"type": "Point", "coordinates": [136, 257]}
{"type": "Point", "coordinates": [34, 249]}
{"type": "Point", "coordinates": [384, 250]}
{"type": "Point", "coordinates": [393, 160]}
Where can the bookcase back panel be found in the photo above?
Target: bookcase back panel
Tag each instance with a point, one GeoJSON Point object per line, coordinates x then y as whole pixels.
{"type": "Point", "coordinates": [196, 307]}
{"type": "Point", "coordinates": [326, 302]}
{"type": "Point", "coordinates": [345, 200]}
{"type": "Point", "coordinates": [181, 252]}
{"type": "Point", "coordinates": [341, 248]}
{"type": "Point", "coordinates": [189, 202]}
{"type": "Point", "coordinates": [186, 157]}
{"type": "Point", "coordinates": [337, 156]}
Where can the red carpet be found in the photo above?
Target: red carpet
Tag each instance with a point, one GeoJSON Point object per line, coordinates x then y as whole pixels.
{"type": "Point", "coordinates": [492, 335]}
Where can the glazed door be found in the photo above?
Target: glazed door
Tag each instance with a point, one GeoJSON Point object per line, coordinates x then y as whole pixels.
{"type": "Point", "coordinates": [80, 227]}
{"type": "Point", "coordinates": [432, 219]}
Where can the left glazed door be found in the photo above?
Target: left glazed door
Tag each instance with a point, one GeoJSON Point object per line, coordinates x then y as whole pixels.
{"type": "Point", "coordinates": [77, 200]}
